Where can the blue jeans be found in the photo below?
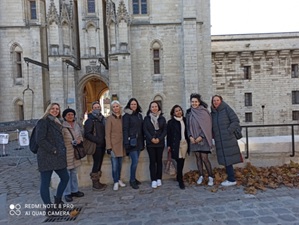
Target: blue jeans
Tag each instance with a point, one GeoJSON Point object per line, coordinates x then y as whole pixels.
{"type": "Point", "coordinates": [134, 155]}
{"type": "Point", "coordinates": [230, 173]}
{"type": "Point", "coordinates": [116, 167]}
{"type": "Point", "coordinates": [72, 185]}
{"type": "Point", "coordinates": [45, 184]}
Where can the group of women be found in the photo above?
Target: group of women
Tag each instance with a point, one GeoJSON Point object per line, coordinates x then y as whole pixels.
{"type": "Point", "coordinates": [125, 134]}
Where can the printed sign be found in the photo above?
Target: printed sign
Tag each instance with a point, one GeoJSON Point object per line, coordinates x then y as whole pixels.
{"type": "Point", "coordinates": [4, 138]}
{"type": "Point", "coordinates": [24, 138]}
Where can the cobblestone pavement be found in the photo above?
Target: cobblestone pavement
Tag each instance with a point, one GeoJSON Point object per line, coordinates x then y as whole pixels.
{"type": "Point", "coordinates": [167, 204]}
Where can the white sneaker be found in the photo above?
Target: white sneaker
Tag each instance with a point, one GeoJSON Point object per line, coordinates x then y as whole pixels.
{"type": "Point", "coordinates": [199, 181]}
{"type": "Point", "coordinates": [211, 181]}
{"type": "Point", "coordinates": [115, 186]}
{"type": "Point", "coordinates": [154, 184]}
{"type": "Point", "coordinates": [159, 182]}
{"type": "Point", "coordinates": [122, 184]}
{"type": "Point", "coordinates": [227, 183]}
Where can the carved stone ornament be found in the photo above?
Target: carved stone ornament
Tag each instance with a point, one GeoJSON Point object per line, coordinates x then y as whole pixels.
{"type": "Point", "coordinates": [93, 69]}
{"type": "Point", "coordinates": [122, 13]}
{"type": "Point", "coordinates": [52, 14]}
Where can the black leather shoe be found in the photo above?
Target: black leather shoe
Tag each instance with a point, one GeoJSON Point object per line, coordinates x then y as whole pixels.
{"type": "Point", "coordinates": [137, 182]}
{"type": "Point", "coordinates": [134, 185]}
{"type": "Point", "coordinates": [68, 198]}
{"type": "Point", "coordinates": [78, 194]}
{"type": "Point", "coordinates": [182, 185]}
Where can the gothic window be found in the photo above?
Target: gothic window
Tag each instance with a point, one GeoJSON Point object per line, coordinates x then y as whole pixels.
{"type": "Point", "coordinates": [295, 73]}
{"type": "Point", "coordinates": [91, 6]}
{"type": "Point", "coordinates": [248, 99]}
{"type": "Point", "coordinates": [295, 97]}
{"type": "Point", "coordinates": [247, 72]}
{"type": "Point", "coordinates": [139, 6]}
{"type": "Point", "coordinates": [248, 117]}
{"type": "Point", "coordinates": [33, 10]}
{"type": "Point", "coordinates": [18, 62]}
{"type": "Point", "coordinates": [156, 58]}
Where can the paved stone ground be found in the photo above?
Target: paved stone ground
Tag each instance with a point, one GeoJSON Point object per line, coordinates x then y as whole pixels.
{"type": "Point", "coordinates": [165, 205]}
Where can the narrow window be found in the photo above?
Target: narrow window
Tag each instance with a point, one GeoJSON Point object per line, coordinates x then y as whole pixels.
{"type": "Point", "coordinates": [295, 97]}
{"type": "Point", "coordinates": [247, 72]}
{"type": "Point", "coordinates": [156, 58]}
{"type": "Point", "coordinates": [143, 7]}
{"type": "Point", "coordinates": [139, 6]}
{"type": "Point", "coordinates": [295, 73]}
{"type": "Point", "coordinates": [295, 115]}
{"type": "Point", "coordinates": [248, 117]}
{"type": "Point", "coordinates": [18, 64]}
{"type": "Point", "coordinates": [33, 10]}
{"type": "Point", "coordinates": [248, 99]}
{"type": "Point", "coordinates": [91, 6]}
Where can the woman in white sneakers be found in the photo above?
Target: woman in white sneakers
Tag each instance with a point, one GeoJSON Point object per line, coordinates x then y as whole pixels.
{"type": "Point", "coordinates": [155, 130]}
{"type": "Point", "coordinates": [199, 127]}
{"type": "Point", "coordinates": [114, 143]}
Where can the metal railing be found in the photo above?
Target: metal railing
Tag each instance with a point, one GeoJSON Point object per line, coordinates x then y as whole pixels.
{"type": "Point", "coordinates": [269, 125]}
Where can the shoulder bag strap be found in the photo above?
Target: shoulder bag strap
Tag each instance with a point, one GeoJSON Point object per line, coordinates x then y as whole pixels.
{"type": "Point", "coordinates": [71, 133]}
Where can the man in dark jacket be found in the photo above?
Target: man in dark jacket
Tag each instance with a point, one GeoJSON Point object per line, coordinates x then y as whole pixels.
{"type": "Point", "coordinates": [94, 130]}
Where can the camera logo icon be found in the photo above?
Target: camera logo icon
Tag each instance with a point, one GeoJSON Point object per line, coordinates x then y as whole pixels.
{"type": "Point", "coordinates": [15, 209]}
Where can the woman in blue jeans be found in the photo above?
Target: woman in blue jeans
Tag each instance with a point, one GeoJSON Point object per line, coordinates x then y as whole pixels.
{"type": "Point", "coordinates": [114, 143]}
{"type": "Point", "coordinates": [72, 136]}
{"type": "Point", "coordinates": [51, 156]}
{"type": "Point", "coordinates": [133, 136]}
{"type": "Point", "coordinates": [155, 130]}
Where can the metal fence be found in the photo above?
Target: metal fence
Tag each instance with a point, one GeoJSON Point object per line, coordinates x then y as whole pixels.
{"type": "Point", "coordinates": [247, 127]}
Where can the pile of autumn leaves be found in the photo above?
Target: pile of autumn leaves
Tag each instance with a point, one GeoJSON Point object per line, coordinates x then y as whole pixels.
{"type": "Point", "coordinates": [254, 178]}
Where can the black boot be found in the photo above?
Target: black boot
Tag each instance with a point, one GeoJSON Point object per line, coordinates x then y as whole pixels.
{"type": "Point", "coordinates": [59, 204]}
{"type": "Point", "coordinates": [50, 210]}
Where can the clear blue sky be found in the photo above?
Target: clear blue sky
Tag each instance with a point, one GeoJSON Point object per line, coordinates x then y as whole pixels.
{"type": "Point", "coordinates": [254, 16]}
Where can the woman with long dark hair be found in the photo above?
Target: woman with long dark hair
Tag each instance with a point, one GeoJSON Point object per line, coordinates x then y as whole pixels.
{"type": "Point", "coordinates": [199, 126]}
{"type": "Point", "coordinates": [177, 140]}
{"type": "Point", "coordinates": [133, 136]}
{"type": "Point", "coordinates": [155, 130]}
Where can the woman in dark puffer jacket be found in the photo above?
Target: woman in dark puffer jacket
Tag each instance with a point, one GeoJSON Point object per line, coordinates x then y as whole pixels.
{"type": "Point", "coordinates": [225, 121]}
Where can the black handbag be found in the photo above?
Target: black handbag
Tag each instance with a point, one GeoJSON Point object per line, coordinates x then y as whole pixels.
{"type": "Point", "coordinates": [238, 133]}
{"type": "Point", "coordinates": [79, 151]}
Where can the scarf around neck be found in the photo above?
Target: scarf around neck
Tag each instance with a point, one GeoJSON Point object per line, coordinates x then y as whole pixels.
{"type": "Point", "coordinates": [154, 119]}
{"type": "Point", "coordinates": [200, 120]}
{"type": "Point", "coordinates": [180, 119]}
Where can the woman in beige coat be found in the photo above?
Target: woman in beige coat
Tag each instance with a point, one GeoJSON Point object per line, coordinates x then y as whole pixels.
{"type": "Point", "coordinates": [69, 125]}
{"type": "Point", "coordinates": [114, 142]}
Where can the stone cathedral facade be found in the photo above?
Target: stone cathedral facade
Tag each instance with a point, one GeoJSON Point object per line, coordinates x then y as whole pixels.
{"type": "Point", "coordinates": [77, 51]}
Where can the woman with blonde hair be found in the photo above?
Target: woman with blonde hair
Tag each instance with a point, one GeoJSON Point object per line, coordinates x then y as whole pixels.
{"type": "Point", "coordinates": [114, 143]}
{"type": "Point", "coordinates": [51, 156]}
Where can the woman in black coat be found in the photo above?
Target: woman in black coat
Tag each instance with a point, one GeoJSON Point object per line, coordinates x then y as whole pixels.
{"type": "Point", "coordinates": [225, 121]}
{"type": "Point", "coordinates": [51, 156]}
{"type": "Point", "coordinates": [177, 140]}
{"type": "Point", "coordinates": [133, 136]}
{"type": "Point", "coordinates": [155, 130]}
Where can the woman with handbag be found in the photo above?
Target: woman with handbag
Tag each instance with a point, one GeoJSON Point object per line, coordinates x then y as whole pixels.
{"type": "Point", "coordinates": [155, 130]}
{"type": "Point", "coordinates": [199, 128]}
{"type": "Point", "coordinates": [72, 137]}
{"type": "Point", "coordinates": [114, 143]}
{"type": "Point", "coordinates": [177, 140]}
{"type": "Point", "coordinates": [225, 122]}
{"type": "Point", "coordinates": [133, 137]}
